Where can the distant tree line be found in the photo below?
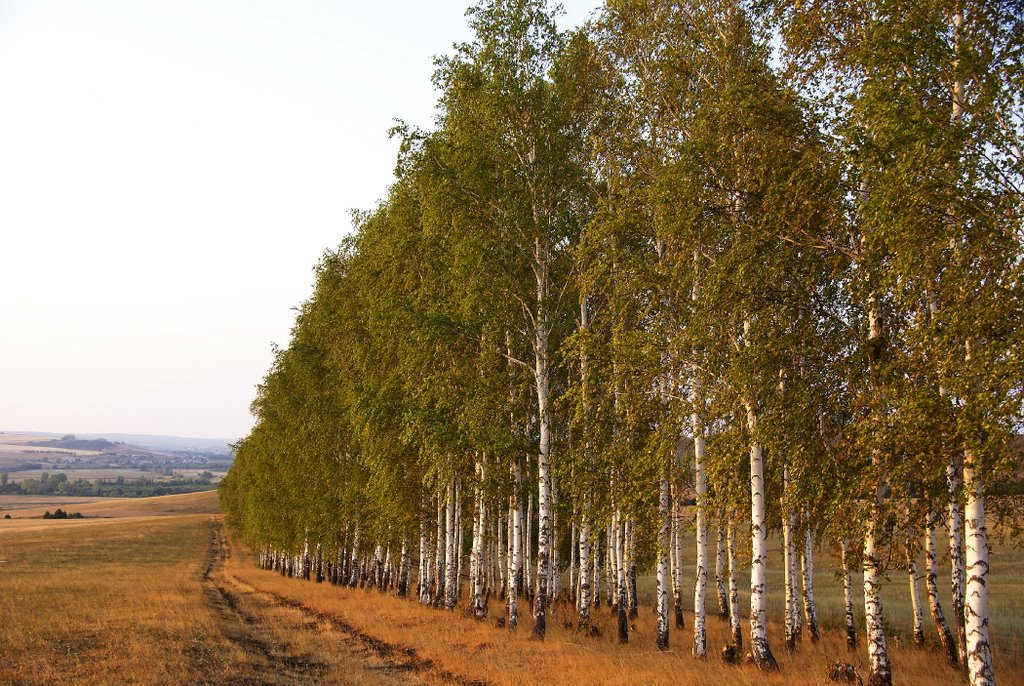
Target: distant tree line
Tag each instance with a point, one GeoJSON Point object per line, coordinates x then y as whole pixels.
{"type": "Point", "coordinates": [59, 484]}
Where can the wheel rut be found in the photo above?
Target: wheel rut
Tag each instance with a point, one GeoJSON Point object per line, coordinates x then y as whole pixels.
{"type": "Point", "coordinates": [287, 643]}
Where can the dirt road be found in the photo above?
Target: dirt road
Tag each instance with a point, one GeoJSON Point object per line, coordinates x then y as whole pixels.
{"type": "Point", "coordinates": [289, 643]}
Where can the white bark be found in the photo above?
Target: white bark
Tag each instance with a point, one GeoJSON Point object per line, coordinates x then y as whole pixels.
{"type": "Point", "coordinates": [878, 652]}
{"type": "Point", "coordinates": [630, 561]}
{"type": "Point", "coordinates": [789, 561]}
{"type": "Point", "coordinates": [759, 647]}
{"type": "Point", "coordinates": [424, 583]}
{"type": "Point", "coordinates": [451, 541]}
{"type": "Point", "coordinates": [915, 594]}
{"type": "Point", "coordinates": [851, 626]}
{"type": "Point", "coordinates": [956, 557]}
{"type": "Point", "coordinates": [664, 542]}
{"type": "Point", "coordinates": [516, 567]}
{"type": "Point", "coordinates": [583, 599]}
{"type": "Point", "coordinates": [440, 552]}
{"type": "Point", "coordinates": [979, 650]}
{"type": "Point", "coordinates": [734, 586]}
{"type": "Point", "coordinates": [677, 559]}
{"type": "Point", "coordinates": [618, 527]}
{"type": "Point", "coordinates": [700, 583]}
{"type": "Point", "coordinates": [355, 559]}
{"type": "Point", "coordinates": [932, 588]}
{"type": "Point", "coordinates": [723, 599]}
{"type": "Point", "coordinates": [479, 527]}
{"type": "Point", "coordinates": [807, 575]}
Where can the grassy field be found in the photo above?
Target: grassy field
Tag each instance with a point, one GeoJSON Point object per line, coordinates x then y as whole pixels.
{"type": "Point", "coordinates": [149, 591]}
{"type": "Point", "coordinates": [480, 651]}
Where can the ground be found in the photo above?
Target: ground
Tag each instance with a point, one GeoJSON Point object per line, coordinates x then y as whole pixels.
{"type": "Point", "coordinates": [152, 591]}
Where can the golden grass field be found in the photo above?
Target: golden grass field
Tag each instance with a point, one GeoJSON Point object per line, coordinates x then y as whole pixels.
{"type": "Point", "coordinates": [149, 591]}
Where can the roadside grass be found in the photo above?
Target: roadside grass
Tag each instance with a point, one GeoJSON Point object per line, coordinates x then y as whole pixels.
{"type": "Point", "coordinates": [480, 650]}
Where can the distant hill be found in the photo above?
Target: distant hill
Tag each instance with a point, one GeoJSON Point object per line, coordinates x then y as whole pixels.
{"type": "Point", "coordinates": [71, 442]}
{"type": "Point", "coordinates": [169, 443]}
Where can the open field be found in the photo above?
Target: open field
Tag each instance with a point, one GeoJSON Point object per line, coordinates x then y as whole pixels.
{"type": "Point", "coordinates": [24, 506]}
{"type": "Point", "coordinates": [143, 600]}
{"type": "Point", "coordinates": [88, 473]}
{"type": "Point", "coordinates": [150, 591]}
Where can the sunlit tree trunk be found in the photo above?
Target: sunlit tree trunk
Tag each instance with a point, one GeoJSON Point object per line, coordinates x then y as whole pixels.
{"type": "Point", "coordinates": [583, 599]}
{"type": "Point", "coordinates": [851, 626]}
{"type": "Point", "coordinates": [354, 580]}
{"type": "Point", "coordinates": [630, 561]}
{"type": "Point", "coordinates": [878, 653]}
{"type": "Point", "coordinates": [915, 594]}
{"type": "Point", "coordinates": [760, 650]}
{"type": "Point", "coordinates": [956, 557]}
{"type": "Point", "coordinates": [979, 651]}
{"type": "Point", "coordinates": [932, 588]}
{"type": "Point", "coordinates": [700, 583]}
{"type": "Point", "coordinates": [424, 582]}
{"type": "Point", "coordinates": [516, 567]}
{"type": "Point", "coordinates": [807, 575]}
{"type": "Point", "coordinates": [618, 527]}
{"type": "Point", "coordinates": [479, 528]}
{"type": "Point", "coordinates": [664, 543]}
{"type": "Point", "coordinates": [441, 551]}
{"type": "Point", "coordinates": [677, 558]}
{"type": "Point", "coordinates": [720, 583]}
{"type": "Point", "coordinates": [734, 586]}
{"type": "Point", "coordinates": [789, 560]}
{"type": "Point", "coordinates": [450, 553]}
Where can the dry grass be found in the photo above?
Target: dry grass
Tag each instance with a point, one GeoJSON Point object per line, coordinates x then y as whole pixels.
{"type": "Point", "coordinates": [121, 603]}
{"type": "Point", "coordinates": [141, 600]}
{"type": "Point", "coordinates": [481, 651]}
{"type": "Point", "coordinates": [125, 600]}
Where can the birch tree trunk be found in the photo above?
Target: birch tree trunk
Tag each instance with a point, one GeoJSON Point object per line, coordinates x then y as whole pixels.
{"type": "Point", "coordinates": [760, 650]}
{"type": "Point", "coordinates": [479, 527]}
{"type": "Point", "coordinates": [630, 551]}
{"type": "Point", "coordinates": [734, 587]}
{"type": "Point", "coordinates": [515, 573]}
{"type": "Point", "coordinates": [595, 591]}
{"type": "Point", "coordinates": [542, 378]}
{"type": "Point", "coordinates": [807, 574]}
{"type": "Point", "coordinates": [878, 653]}
{"type": "Point", "coordinates": [723, 599]}
{"type": "Point", "coordinates": [851, 626]}
{"type": "Point", "coordinates": [573, 548]}
{"type": "Point", "coordinates": [583, 599]}
{"type": "Point", "coordinates": [354, 580]}
{"type": "Point", "coordinates": [424, 583]}
{"type": "Point", "coordinates": [611, 565]}
{"type": "Point", "coordinates": [789, 560]}
{"type": "Point", "coordinates": [979, 650]}
{"type": "Point", "coordinates": [915, 594]}
{"type": "Point", "coordinates": [527, 588]}
{"type": "Point", "coordinates": [932, 588]}
{"type": "Point", "coordinates": [459, 531]}
{"type": "Point", "coordinates": [956, 557]}
{"type": "Point", "coordinates": [620, 574]}
{"type": "Point", "coordinates": [677, 558]}
{"type": "Point", "coordinates": [664, 543]}
{"type": "Point", "coordinates": [700, 583]}
{"type": "Point", "coordinates": [440, 562]}
{"type": "Point", "coordinates": [451, 541]}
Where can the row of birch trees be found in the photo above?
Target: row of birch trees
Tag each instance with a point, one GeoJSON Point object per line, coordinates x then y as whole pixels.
{"type": "Point", "coordinates": [701, 266]}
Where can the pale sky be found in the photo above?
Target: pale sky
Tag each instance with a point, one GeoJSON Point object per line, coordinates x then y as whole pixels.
{"type": "Point", "coordinates": [170, 173]}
